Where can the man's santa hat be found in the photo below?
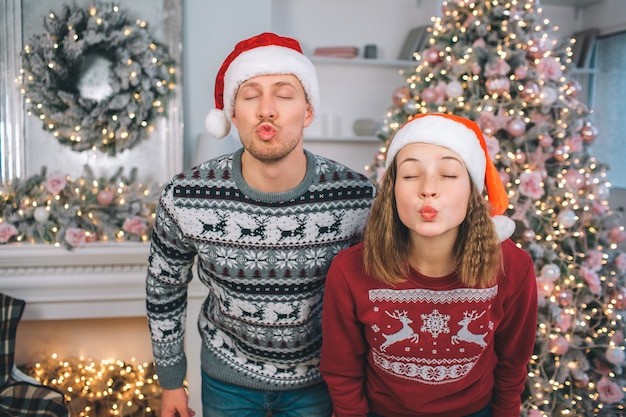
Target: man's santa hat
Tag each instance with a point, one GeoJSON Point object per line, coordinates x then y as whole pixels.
{"type": "Point", "coordinates": [463, 137]}
{"type": "Point", "coordinates": [264, 54]}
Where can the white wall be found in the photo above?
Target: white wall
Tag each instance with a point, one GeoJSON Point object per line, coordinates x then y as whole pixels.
{"type": "Point", "coordinates": [608, 16]}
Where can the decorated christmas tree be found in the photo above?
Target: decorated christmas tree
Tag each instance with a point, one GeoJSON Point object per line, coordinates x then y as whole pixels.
{"type": "Point", "coordinates": [498, 62]}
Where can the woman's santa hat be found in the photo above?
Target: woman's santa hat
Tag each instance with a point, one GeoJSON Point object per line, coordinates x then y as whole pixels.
{"type": "Point", "coordinates": [264, 54]}
{"type": "Point", "coordinates": [463, 137]}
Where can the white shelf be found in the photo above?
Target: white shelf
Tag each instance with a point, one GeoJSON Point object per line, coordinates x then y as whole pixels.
{"type": "Point", "coordinates": [363, 62]}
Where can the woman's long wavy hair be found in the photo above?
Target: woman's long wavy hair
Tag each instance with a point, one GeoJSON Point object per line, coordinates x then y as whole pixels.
{"type": "Point", "coordinates": [387, 242]}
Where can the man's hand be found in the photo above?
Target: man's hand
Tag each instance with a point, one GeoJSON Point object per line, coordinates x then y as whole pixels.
{"type": "Point", "coordinates": [174, 403]}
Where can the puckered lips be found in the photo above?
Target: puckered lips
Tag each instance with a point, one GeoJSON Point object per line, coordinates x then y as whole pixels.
{"type": "Point", "coordinates": [428, 213]}
{"type": "Point", "coordinates": [266, 131]}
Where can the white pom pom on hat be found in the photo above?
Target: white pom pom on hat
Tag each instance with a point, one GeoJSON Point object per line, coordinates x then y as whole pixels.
{"type": "Point", "coordinates": [463, 137]}
{"type": "Point", "coordinates": [263, 54]}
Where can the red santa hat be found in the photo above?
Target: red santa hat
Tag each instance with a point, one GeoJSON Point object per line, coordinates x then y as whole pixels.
{"type": "Point", "coordinates": [263, 54]}
{"type": "Point", "coordinates": [463, 137]}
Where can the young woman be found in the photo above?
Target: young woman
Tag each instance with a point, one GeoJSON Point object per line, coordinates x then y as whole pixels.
{"type": "Point", "coordinates": [435, 312]}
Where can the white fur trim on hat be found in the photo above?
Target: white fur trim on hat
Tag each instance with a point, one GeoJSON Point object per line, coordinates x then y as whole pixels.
{"type": "Point", "coordinates": [263, 60]}
{"type": "Point", "coordinates": [447, 133]}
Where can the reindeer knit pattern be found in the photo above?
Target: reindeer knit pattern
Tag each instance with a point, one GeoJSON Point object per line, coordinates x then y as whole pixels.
{"type": "Point", "coordinates": [263, 257]}
{"type": "Point", "coordinates": [428, 346]}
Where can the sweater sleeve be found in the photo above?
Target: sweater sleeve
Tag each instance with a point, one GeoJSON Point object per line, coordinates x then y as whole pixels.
{"type": "Point", "coordinates": [169, 271]}
{"type": "Point", "coordinates": [344, 349]}
{"type": "Point", "coordinates": [515, 339]}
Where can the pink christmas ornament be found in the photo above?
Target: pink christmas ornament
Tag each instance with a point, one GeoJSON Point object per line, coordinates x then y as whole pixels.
{"type": "Point", "coordinates": [559, 345]}
{"type": "Point", "coordinates": [572, 88]}
{"type": "Point", "coordinates": [581, 380]}
{"type": "Point", "coordinates": [489, 128]}
{"type": "Point", "coordinates": [401, 95]}
{"type": "Point", "coordinates": [516, 127]}
{"type": "Point", "coordinates": [574, 179]}
{"type": "Point", "coordinates": [566, 218]}
{"type": "Point", "coordinates": [550, 272]}
{"type": "Point", "coordinates": [535, 49]}
{"type": "Point", "coordinates": [544, 288]}
{"type": "Point", "coordinates": [475, 68]}
{"type": "Point", "coordinates": [530, 90]}
{"type": "Point", "coordinates": [105, 197]}
{"type": "Point", "coordinates": [521, 73]}
{"type": "Point", "coordinates": [589, 132]}
{"type": "Point", "coordinates": [547, 96]}
{"type": "Point", "coordinates": [528, 235]}
{"type": "Point", "coordinates": [431, 55]}
{"type": "Point", "coordinates": [454, 89]}
{"type": "Point", "coordinates": [429, 94]}
{"type": "Point", "coordinates": [616, 235]}
{"type": "Point", "coordinates": [561, 153]}
{"type": "Point", "coordinates": [546, 140]}
{"type": "Point", "coordinates": [498, 84]}
{"type": "Point", "coordinates": [565, 297]}
{"type": "Point", "coordinates": [41, 214]}
{"type": "Point", "coordinates": [617, 297]}
{"type": "Point", "coordinates": [565, 321]}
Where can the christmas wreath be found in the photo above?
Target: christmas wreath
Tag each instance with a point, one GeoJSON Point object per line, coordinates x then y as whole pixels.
{"type": "Point", "coordinates": [96, 79]}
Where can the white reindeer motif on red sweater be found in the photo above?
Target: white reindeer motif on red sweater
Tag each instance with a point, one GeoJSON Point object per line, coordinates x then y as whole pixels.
{"type": "Point", "coordinates": [465, 335]}
{"type": "Point", "coordinates": [406, 332]}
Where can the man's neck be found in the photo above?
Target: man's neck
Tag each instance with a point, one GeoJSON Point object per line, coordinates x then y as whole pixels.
{"type": "Point", "coordinates": [277, 176]}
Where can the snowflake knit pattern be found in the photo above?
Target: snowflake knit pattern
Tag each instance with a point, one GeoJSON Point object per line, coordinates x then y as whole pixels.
{"type": "Point", "coordinates": [264, 258]}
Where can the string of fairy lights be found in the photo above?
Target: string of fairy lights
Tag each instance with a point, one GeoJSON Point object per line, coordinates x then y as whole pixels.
{"type": "Point", "coordinates": [106, 388]}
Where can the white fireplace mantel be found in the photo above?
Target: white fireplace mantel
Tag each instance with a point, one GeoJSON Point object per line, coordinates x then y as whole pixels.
{"type": "Point", "coordinates": [100, 280]}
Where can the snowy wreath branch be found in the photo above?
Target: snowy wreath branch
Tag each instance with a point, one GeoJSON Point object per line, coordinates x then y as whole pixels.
{"type": "Point", "coordinates": [96, 79]}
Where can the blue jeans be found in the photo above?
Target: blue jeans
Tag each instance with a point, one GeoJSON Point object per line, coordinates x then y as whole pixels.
{"type": "Point", "coordinates": [485, 412]}
{"type": "Point", "coordinates": [220, 399]}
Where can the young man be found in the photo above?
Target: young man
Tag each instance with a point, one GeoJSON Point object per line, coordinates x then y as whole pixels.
{"type": "Point", "coordinates": [263, 225]}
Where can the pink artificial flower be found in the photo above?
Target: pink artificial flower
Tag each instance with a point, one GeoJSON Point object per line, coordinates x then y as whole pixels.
{"type": "Point", "coordinates": [505, 177]}
{"type": "Point", "coordinates": [599, 208]}
{"type": "Point", "coordinates": [544, 288]}
{"type": "Point", "coordinates": [550, 68]}
{"type": "Point", "coordinates": [479, 43]}
{"type": "Point", "coordinates": [620, 262]}
{"type": "Point", "coordinates": [592, 279]}
{"type": "Point", "coordinates": [530, 185]}
{"type": "Point", "coordinates": [609, 391]}
{"type": "Point", "coordinates": [564, 321]}
{"type": "Point", "coordinates": [135, 226]}
{"type": "Point", "coordinates": [55, 183]}
{"type": "Point", "coordinates": [7, 231]}
{"type": "Point", "coordinates": [440, 90]}
{"type": "Point", "coordinates": [500, 67]}
{"type": "Point", "coordinates": [493, 146]}
{"type": "Point", "coordinates": [75, 236]}
{"type": "Point", "coordinates": [616, 235]}
{"type": "Point", "coordinates": [601, 366]}
{"type": "Point", "coordinates": [574, 179]}
{"type": "Point", "coordinates": [594, 260]}
{"type": "Point", "coordinates": [574, 143]}
{"type": "Point", "coordinates": [521, 73]}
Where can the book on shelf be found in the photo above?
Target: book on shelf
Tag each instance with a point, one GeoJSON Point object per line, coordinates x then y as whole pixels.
{"type": "Point", "coordinates": [337, 51]}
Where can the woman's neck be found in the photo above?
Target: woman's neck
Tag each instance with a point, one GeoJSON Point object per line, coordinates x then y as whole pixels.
{"type": "Point", "coordinates": [433, 257]}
